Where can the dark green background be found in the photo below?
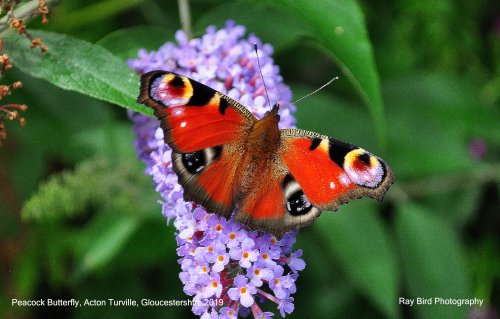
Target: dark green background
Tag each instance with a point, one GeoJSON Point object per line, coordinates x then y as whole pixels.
{"type": "Point", "coordinates": [419, 81]}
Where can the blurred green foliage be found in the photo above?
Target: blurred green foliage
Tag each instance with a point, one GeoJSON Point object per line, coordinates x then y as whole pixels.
{"type": "Point", "coordinates": [419, 86]}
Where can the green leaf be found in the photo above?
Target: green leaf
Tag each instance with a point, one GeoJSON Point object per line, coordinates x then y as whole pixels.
{"type": "Point", "coordinates": [153, 232]}
{"type": "Point", "coordinates": [125, 43]}
{"type": "Point", "coordinates": [362, 245]}
{"type": "Point", "coordinates": [433, 261]}
{"type": "Point", "coordinates": [339, 27]}
{"type": "Point", "coordinates": [484, 260]}
{"type": "Point", "coordinates": [112, 141]}
{"type": "Point", "coordinates": [77, 65]}
{"type": "Point", "coordinates": [107, 243]}
{"type": "Point", "coordinates": [26, 273]}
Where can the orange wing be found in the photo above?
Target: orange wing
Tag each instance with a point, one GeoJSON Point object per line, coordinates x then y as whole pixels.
{"type": "Point", "coordinates": [262, 205]}
{"type": "Point", "coordinates": [331, 172]}
{"type": "Point", "coordinates": [205, 129]}
{"type": "Point", "coordinates": [193, 116]}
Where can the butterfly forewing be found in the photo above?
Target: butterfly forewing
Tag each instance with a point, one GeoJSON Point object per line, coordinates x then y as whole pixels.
{"type": "Point", "coordinates": [203, 127]}
{"type": "Point", "coordinates": [331, 172]}
{"type": "Point", "coordinates": [193, 116]}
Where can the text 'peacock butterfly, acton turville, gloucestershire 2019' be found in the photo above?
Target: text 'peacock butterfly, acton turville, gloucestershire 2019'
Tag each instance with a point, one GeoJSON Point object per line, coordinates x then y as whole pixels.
{"type": "Point", "coordinates": [228, 160]}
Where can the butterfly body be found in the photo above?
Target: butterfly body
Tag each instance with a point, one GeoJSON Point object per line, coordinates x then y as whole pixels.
{"type": "Point", "coordinates": [229, 161]}
{"type": "Point", "coordinates": [261, 146]}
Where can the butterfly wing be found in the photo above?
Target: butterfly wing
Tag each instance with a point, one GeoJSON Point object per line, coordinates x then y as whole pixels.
{"type": "Point", "coordinates": [326, 173]}
{"type": "Point", "coordinates": [262, 206]}
{"type": "Point", "coordinates": [192, 115]}
{"type": "Point", "coordinates": [204, 129]}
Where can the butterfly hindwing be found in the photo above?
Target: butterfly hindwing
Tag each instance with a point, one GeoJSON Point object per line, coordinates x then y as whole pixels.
{"type": "Point", "coordinates": [209, 177]}
{"type": "Point", "coordinates": [261, 206]}
{"type": "Point", "coordinates": [277, 205]}
{"type": "Point", "coordinates": [193, 116]}
{"type": "Point", "coordinates": [331, 172]}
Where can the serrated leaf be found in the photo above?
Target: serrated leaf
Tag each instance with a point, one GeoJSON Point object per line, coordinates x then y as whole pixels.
{"type": "Point", "coordinates": [339, 27]}
{"type": "Point", "coordinates": [362, 245]}
{"type": "Point", "coordinates": [433, 261]}
{"type": "Point", "coordinates": [77, 65]}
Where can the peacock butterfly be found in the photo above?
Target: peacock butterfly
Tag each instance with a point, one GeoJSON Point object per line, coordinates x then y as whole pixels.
{"type": "Point", "coordinates": [228, 160]}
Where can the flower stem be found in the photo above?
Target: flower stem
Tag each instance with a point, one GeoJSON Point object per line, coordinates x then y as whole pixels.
{"type": "Point", "coordinates": [268, 296]}
{"type": "Point", "coordinates": [256, 311]}
{"type": "Point", "coordinates": [23, 12]}
{"type": "Point", "coordinates": [480, 174]}
{"type": "Point", "coordinates": [185, 16]}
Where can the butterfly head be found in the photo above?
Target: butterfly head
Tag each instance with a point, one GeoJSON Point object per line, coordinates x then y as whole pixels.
{"type": "Point", "coordinates": [265, 131]}
{"type": "Point", "coordinates": [274, 112]}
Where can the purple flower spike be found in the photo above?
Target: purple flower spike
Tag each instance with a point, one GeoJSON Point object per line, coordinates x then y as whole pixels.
{"type": "Point", "coordinates": [220, 259]}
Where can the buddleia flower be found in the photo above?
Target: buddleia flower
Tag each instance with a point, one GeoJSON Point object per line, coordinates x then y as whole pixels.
{"type": "Point", "coordinates": [227, 269]}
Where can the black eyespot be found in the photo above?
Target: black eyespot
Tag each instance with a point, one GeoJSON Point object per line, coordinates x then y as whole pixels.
{"type": "Point", "coordinates": [365, 158]}
{"type": "Point", "coordinates": [298, 204]}
{"type": "Point", "coordinates": [194, 162]}
{"type": "Point", "coordinates": [177, 81]}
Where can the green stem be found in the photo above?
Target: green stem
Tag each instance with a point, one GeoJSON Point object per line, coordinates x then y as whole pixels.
{"type": "Point", "coordinates": [185, 16]}
{"type": "Point", "coordinates": [441, 184]}
{"type": "Point", "coordinates": [23, 12]}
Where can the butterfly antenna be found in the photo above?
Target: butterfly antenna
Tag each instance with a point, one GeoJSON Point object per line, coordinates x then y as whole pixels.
{"type": "Point", "coordinates": [315, 91]}
{"type": "Point", "coordinates": [262, 76]}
